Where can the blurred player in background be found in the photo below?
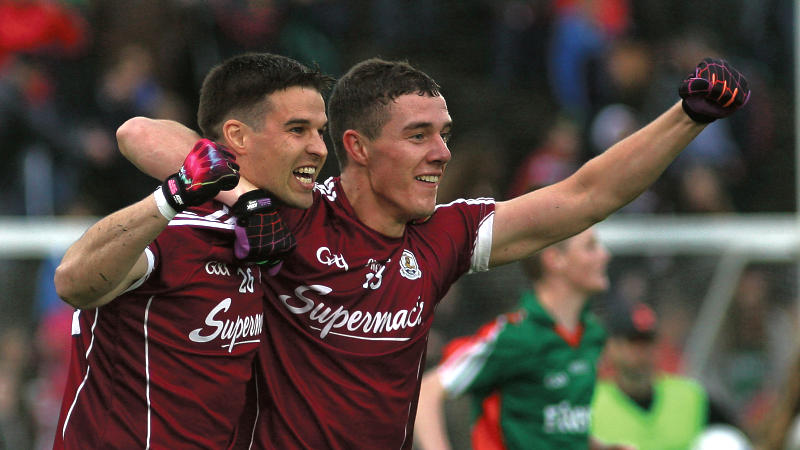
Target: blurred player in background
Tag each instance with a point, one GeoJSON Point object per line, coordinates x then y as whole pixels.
{"type": "Point", "coordinates": [640, 407]}
{"type": "Point", "coordinates": [348, 315]}
{"type": "Point", "coordinates": [530, 373]}
{"type": "Point", "coordinates": [170, 317]}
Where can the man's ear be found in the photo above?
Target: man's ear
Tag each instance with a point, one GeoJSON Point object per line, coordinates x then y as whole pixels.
{"type": "Point", "coordinates": [234, 133]}
{"type": "Point", "coordinates": [355, 145]}
{"type": "Point", "coordinates": [551, 258]}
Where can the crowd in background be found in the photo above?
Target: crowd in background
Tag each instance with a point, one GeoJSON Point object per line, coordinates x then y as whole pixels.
{"type": "Point", "coordinates": [535, 88]}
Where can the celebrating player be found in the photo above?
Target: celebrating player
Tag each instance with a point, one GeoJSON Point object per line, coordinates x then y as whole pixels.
{"type": "Point", "coordinates": [170, 319]}
{"type": "Point", "coordinates": [348, 315]}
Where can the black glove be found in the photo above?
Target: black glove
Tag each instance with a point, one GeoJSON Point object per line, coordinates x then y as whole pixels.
{"type": "Point", "coordinates": [261, 235]}
{"type": "Point", "coordinates": [715, 90]}
{"type": "Point", "coordinates": [208, 169]}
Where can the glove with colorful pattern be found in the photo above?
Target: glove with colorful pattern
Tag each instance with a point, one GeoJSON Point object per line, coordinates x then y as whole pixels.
{"type": "Point", "coordinates": [208, 169]}
{"type": "Point", "coordinates": [261, 235]}
{"type": "Point", "coordinates": [713, 91]}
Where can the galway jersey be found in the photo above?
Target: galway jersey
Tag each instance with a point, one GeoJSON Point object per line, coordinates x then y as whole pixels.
{"type": "Point", "coordinates": [169, 363]}
{"type": "Point", "coordinates": [348, 318]}
{"type": "Point", "coordinates": [530, 388]}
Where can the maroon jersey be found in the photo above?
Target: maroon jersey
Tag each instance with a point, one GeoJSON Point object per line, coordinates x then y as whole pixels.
{"type": "Point", "coordinates": [348, 318]}
{"type": "Point", "coordinates": [168, 363]}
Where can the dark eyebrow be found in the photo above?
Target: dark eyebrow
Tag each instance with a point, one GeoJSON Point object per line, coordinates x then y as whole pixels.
{"type": "Point", "coordinates": [297, 122]}
{"type": "Point", "coordinates": [415, 125]}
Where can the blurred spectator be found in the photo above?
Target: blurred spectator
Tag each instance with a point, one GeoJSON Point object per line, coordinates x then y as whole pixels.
{"type": "Point", "coordinates": [128, 87]}
{"type": "Point", "coordinates": [555, 159]}
{"type": "Point", "coordinates": [247, 25]}
{"type": "Point", "coordinates": [52, 350]}
{"type": "Point", "coordinates": [404, 26]}
{"type": "Point", "coordinates": [39, 26]}
{"type": "Point", "coordinates": [14, 431]}
{"type": "Point", "coordinates": [520, 31]}
{"type": "Point", "coordinates": [701, 190]}
{"type": "Point", "coordinates": [478, 167]}
{"type": "Point", "coordinates": [311, 29]}
{"type": "Point", "coordinates": [751, 362]}
{"type": "Point", "coordinates": [35, 37]}
{"type": "Point", "coordinates": [625, 75]}
{"type": "Point", "coordinates": [581, 33]}
{"type": "Point", "coordinates": [637, 405]}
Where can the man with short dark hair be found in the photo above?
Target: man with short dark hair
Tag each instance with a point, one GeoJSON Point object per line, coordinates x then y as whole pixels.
{"type": "Point", "coordinates": [170, 312]}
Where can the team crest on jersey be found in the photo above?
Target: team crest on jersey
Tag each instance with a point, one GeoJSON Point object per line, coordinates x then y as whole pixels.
{"type": "Point", "coordinates": [408, 266]}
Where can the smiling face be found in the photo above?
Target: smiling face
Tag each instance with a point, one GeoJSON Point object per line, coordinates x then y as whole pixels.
{"type": "Point", "coordinates": [406, 161]}
{"type": "Point", "coordinates": [286, 152]}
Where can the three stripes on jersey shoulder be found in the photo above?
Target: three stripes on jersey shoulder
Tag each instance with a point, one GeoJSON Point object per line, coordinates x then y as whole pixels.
{"type": "Point", "coordinates": [220, 218]}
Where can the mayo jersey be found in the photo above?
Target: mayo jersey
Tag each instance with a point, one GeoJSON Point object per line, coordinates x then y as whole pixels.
{"type": "Point", "coordinates": [348, 318]}
{"type": "Point", "coordinates": [531, 388]}
{"type": "Point", "coordinates": [168, 363]}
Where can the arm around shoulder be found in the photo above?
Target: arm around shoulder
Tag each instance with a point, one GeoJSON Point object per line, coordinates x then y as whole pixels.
{"type": "Point", "coordinates": [159, 147]}
{"type": "Point", "coordinates": [156, 147]}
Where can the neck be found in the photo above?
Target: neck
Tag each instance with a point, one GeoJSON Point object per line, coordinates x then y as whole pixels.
{"type": "Point", "coordinates": [562, 303]}
{"type": "Point", "coordinates": [639, 389]}
{"type": "Point", "coordinates": [367, 208]}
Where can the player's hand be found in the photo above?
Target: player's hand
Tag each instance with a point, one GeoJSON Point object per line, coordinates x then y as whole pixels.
{"type": "Point", "coordinates": [714, 90]}
{"type": "Point", "coordinates": [261, 235]}
{"type": "Point", "coordinates": [208, 169]}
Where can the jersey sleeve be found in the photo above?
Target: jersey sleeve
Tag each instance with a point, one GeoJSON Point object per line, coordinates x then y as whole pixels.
{"type": "Point", "coordinates": [480, 362]}
{"type": "Point", "coordinates": [460, 236]}
{"type": "Point", "coordinates": [474, 218]}
{"type": "Point", "coordinates": [151, 264]}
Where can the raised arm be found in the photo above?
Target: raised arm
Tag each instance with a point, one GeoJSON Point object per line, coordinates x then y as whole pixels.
{"type": "Point", "coordinates": [430, 428]}
{"type": "Point", "coordinates": [609, 181]}
{"type": "Point", "coordinates": [110, 255]}
{"type": "Point", "coordinates": [158, 147]}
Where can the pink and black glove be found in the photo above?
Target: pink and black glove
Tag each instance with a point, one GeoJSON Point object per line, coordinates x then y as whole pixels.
{"type": "Point", "coordinates": [714, 90]}
{"type": "Point", "coordinates": [208, 169]}
{"type": "Point", "coordinates": [261, 235]}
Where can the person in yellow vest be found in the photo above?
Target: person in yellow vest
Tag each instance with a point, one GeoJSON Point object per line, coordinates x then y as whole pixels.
{"type": "Point", "coordinates": [636, 405]}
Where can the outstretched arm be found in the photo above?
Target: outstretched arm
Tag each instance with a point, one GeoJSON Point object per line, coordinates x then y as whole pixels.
{"type": "Point", "coordinates": [609, 181]}
{"type": "Point", "coordinates": [110, 255]}
{"type": "Point", "coordinates": [532, 221]}
{"type": "Point", "coordinates": [430, 430]}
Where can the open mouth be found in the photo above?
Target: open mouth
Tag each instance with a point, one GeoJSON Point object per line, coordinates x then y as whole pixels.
{"type": "Point", "coordinates": [305, 174]}
{"type": "Point", "coordinates": [428, 178]}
